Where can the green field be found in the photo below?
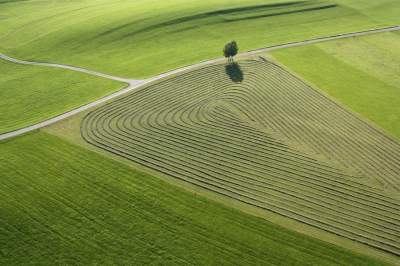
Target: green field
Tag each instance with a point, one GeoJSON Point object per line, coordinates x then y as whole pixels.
{"type": "Point", "coordinates": [139, 38]}
{"type": "Point", "coordinates": [285, 158]}
{"type": "Point", "coordinates": [261, 136]}
{"type": "Point", "coordinates": [363, 73]}
{"type": "Point", "coordinates": [31, 94]}
{"type": "Point", "coordinates": [98, 211]}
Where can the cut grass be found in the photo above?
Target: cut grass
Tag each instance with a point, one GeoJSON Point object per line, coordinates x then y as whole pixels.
{"type": "Point", "coordinates": [31, 94]}
{"type": "Point", "coordinates": [99, 211]}
{"type": "Point", "coordinates": [362, 73]}
{"type": "Point", "coordinates": [270, 141]}
{"type": "Point", "coordinates": [139, 38]}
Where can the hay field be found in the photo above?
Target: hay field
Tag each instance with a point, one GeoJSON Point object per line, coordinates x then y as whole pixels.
{"type": "Point", "coordinates": [256, 133]}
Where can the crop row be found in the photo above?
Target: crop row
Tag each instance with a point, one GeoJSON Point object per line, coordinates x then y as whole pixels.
{"type": "Point", "coordinates": [270, 141]}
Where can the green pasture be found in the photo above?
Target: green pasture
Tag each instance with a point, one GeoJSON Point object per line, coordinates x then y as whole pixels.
{"type": "Point", "coordinates": [145, 37]}
{"type": "Point", "coordinates": [363, 73]}
{"type": "Point", "coordinates": [251, 134]}
{"type": "Point", "coordinates": [31, 94]}
{"type": "Point", "coordinates": [99, 211]}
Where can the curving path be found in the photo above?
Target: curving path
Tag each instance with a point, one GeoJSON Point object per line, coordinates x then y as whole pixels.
{"type": "Point", "coordinates": [134, 84]}
{"type": "Point", "coordinates": [78, 69]}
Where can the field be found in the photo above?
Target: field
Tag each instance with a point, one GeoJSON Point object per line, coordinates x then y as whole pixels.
{"type": "Point", "coordinates": [31, 94]}
{"type": "Point", "coordinates": [256, 133]}
{"type": "Point", "coordinates": [283, 158]}
{"type": "Point", "coordinates": [99, 211]}
{"type": "Point", "coordinates": [369, 72]}
{"type": "Point", "coordinates": [138, 38]}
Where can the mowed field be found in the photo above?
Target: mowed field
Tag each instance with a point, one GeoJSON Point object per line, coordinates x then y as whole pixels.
{"type": "Point", "coordinates": [224, 151]}
{"type": "Point", "coordinates": [256, 133]}
{"type": "Point", "coordinates": [31, 94]}
{"type": "Point", "coordinates": [64, 205]}
{"type": "Point", "coordinates": [139, 38]}
{"type": "Point", "coordinates": [362, 73]}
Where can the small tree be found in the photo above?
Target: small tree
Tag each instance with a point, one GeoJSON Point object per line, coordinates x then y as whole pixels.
{"type": "Point", "coordinates": [230, 50]}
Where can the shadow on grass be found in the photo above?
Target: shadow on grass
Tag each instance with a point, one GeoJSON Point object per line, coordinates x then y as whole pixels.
{"type": "Point", "coordinates": [226, 16]}
{"type": "Point", "coordinates": [234, 72]}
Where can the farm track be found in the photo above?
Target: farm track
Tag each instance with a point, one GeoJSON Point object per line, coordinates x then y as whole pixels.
{"type": "Point", "coordinates": [135, 83]}
{"type": "Point", "coordinates": [261, 141]}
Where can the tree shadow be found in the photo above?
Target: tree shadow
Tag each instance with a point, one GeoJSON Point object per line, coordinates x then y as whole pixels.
{"type": "Point", "coordinates": [234, 72]}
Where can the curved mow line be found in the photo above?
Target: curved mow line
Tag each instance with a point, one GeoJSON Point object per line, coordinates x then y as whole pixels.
{"type": "Point", "coordinates": [180, 120]}
{"type": "Point", "coordinates": [388, 167]}
{"type": "Point", "coordinates": [150, 101]}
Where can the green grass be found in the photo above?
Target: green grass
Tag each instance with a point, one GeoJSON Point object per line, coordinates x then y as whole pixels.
{"type": "Point", "coordinates": [142, 38]}
{"type": "Point", "coordinates": [266, 139]}
{"type": "Point", "coordinates": [291, 152]}
{"type": "Point", "coordinates": [362, 73]}
{"type": "Point", "coordinates": [99, 211]}
{"type": "Point", "coordinates": [30, 94]}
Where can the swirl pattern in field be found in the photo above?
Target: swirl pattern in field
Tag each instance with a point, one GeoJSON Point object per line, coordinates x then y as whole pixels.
{"type": "Point", "coordinates": [262, 136]}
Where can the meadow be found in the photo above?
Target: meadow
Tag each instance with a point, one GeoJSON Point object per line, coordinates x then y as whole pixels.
{"type": "Point", "coordinates": [221, 165]}
{"type": "Point", "coordinates": [139, 38]}
{"type": "Point", "coordinates": [99, 211]}
{"type": "Point", "coordinates": [31, 94]}
{"type": "Point", "coordinates": [363, 73]}
{"type": "Point", "coordinates": [256, 133]}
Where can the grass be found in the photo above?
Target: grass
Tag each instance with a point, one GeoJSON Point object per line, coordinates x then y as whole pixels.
{"type": "Point", "coordinates": [30, 94]}
{"type": "Point", "coordinates": [363, 73]}
{"type": "Point", "coordinates": [251, 132]}
{"type": "Point", "coordinates": [255, 140]}
{"type": "Point", "coordinates": [139, 38]}
{"type": "Point", "coordinates": [99, 211]}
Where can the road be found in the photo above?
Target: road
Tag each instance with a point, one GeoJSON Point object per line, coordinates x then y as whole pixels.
{"type": "Point", "coordinates": [135, 84]}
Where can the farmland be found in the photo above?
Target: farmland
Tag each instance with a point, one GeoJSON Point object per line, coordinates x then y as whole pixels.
{"type": "Point", "coordinates": [247, 134]}
{"type": "Point", "coordinates": [138, 38]}
{"type": "Point", "coordinates": [286, 154]}
{"type": "Point", "coordinates": [369, 73]}
{"type": "Point", "coordinates": [30, 94]}
{"type": "Point", "coordinates": [99, 211]}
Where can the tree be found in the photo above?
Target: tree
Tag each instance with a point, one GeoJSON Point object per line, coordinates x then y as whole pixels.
{"type": "Point", "coordinates": [230, 50]}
